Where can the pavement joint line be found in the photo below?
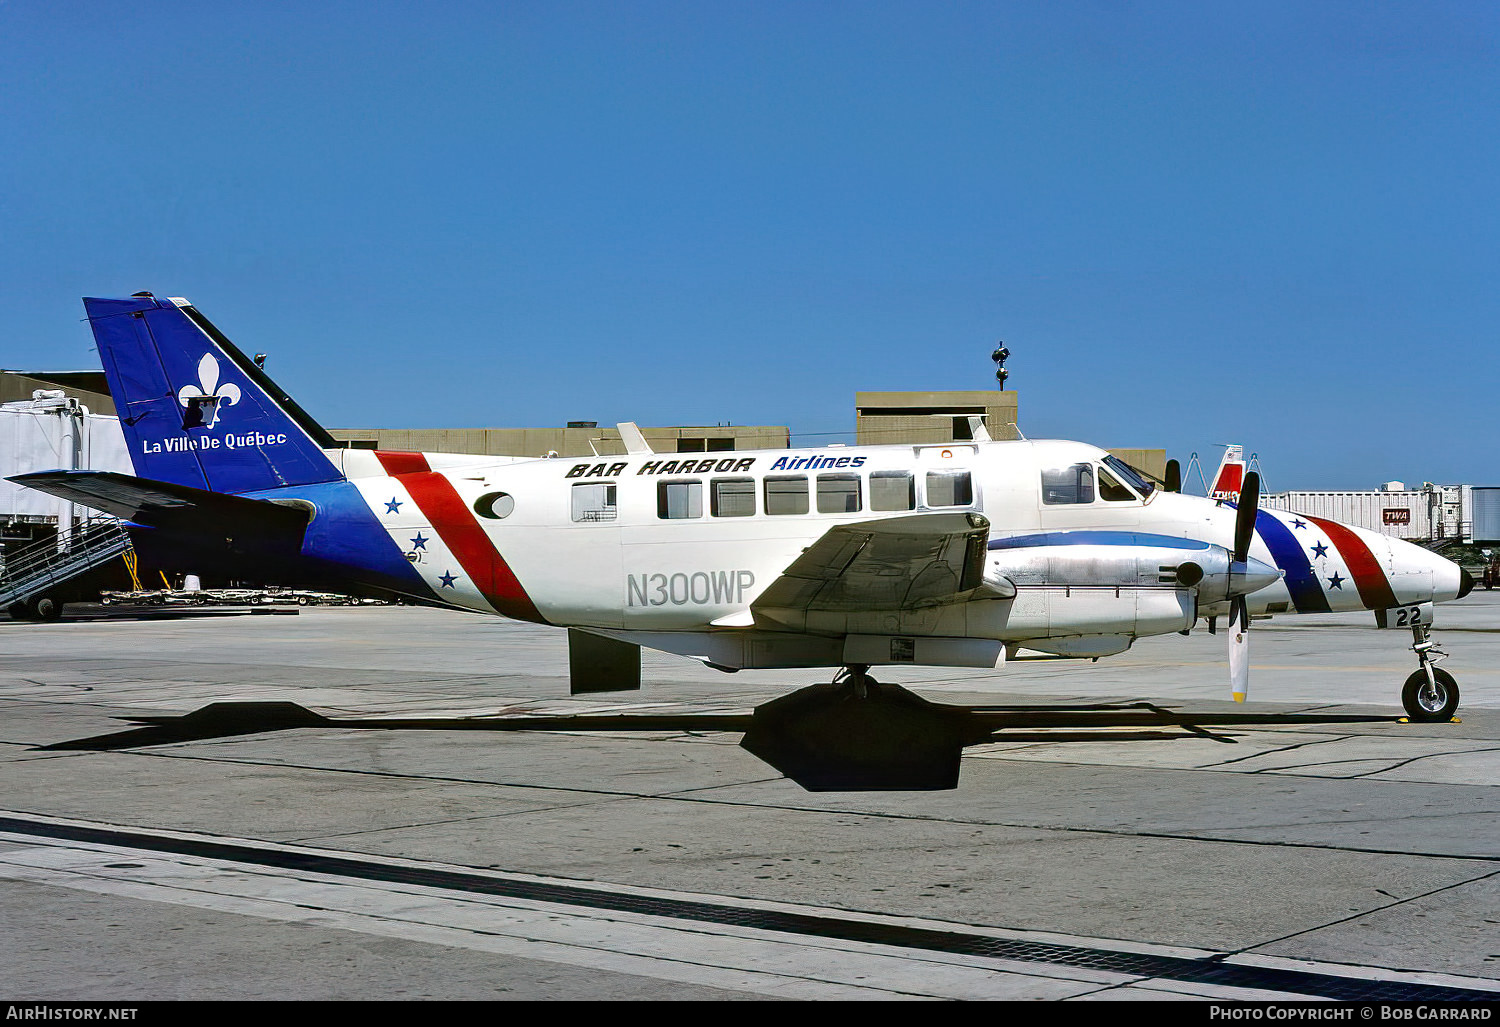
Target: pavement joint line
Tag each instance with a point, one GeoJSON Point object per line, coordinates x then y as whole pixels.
{"type": "Point", "coordinates": [1216, 970]}
{"type": "Point", "coordinates": [1426, 756]}
{"type": "Point", "coordinates": [1368, 912]}
{"type": "Point", "coordinates": [1292, 747]}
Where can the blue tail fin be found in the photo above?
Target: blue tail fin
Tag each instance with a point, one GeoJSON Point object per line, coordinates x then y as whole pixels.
{"type": "Point", "coordinates": [194, 409]}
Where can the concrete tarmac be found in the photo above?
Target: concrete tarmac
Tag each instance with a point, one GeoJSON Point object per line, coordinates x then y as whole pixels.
{"type": "Point", "coordinates": [1294, 860]}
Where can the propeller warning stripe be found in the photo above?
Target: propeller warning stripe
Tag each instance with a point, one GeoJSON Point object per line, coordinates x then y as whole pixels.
{"type": "Point", "coordinates": [1301, 580]}
{"type": "Point", "coordinates": [1374, 588]}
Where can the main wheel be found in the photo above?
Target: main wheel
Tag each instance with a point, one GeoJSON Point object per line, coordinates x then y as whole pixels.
{"type": "Point", "coordinates": [20, 611]}
{"type": "Point", "coordinates": [1430, 704]}
{"type": "Point", "coordinates": [48, 608]}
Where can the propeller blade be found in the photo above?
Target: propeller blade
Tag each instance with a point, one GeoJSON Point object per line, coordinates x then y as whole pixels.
{"type": "Point", "coordinates": [1239, 649]}
{"type": "Point", "coordinates": [1174, 477]}
{"type": "Point", "coordinates": [1244, 522]}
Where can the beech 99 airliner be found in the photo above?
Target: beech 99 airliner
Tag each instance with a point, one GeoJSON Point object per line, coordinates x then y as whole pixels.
{"type": "Point", "coordinates": [957, 554]}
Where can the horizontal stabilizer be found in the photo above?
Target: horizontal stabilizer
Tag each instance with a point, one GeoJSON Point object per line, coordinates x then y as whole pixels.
{"type": "Point", "coordinates": [161, 504]}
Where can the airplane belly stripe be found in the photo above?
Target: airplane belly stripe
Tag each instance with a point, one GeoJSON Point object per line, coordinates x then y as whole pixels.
{"type": "Point", "coordinates": [1374, 588]}
{"type": "Point", "coordinates": [1301, 580]}
{"type": "Point", "coordinates": [454, 522]}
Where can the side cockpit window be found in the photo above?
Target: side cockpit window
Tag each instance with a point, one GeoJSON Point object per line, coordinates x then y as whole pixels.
{"type": "Point", "coordinates": [1071, 484]}
{"type": "Point", "coordinates": [1130, 476]}
{"type": "Point", "coordinates": [1112, 491]}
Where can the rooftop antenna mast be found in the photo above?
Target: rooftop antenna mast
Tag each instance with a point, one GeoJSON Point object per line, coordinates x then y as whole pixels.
{"type": "Point", "coordinates": [1001, 352]}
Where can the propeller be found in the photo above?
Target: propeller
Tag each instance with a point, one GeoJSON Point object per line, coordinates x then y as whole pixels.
{"type": "Point", "coordinates": [1239, 612]}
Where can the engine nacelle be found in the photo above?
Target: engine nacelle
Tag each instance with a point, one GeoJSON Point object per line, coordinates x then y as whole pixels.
{"type": "Point", "coordinates": [1089, 593]}
{"type": "Point", "coordinates": [1090, 559]}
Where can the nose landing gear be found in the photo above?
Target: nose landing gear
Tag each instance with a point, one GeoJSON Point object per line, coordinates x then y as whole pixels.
{"type": "Point", "coordinates": [1429, 695]}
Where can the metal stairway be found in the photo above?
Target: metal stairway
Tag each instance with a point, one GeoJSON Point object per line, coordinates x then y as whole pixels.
{"type": "Point", "coordinates": [29, 573]}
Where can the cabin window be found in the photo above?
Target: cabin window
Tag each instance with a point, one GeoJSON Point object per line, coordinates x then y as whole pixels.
{"type": "Point", "coordinates": [593, 503]}
{"type": "Point", "coordinates": [893, 490]}
{"type": "Point", "coordinates": [949, 488]}
{"type": "Point", "coordinates": [838, 493]}
{"type": "Point", "coordinates": [786, 495]}
{"type": "Point", "coordinates": [732, 497]}
{"type": "Point", "coordinates": [677, 500]}
{"type": "Point", "coordinates": [1112, 491]}
{"type": "Point", "coordinates": [1063, 485]}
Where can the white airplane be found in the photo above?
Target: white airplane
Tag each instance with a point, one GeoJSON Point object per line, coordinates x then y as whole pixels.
{"type": "Point", "coordinates": [956, 554]}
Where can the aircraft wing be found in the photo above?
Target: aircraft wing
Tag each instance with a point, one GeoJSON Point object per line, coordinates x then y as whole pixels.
{"type": "Point", "coordinates": [896, 564]}
{"type": "Point", "coordinates": [161, 504]}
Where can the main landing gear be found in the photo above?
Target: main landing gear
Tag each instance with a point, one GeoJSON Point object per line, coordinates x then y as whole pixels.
{"type": "Point", "coordinates": [1429, 694]}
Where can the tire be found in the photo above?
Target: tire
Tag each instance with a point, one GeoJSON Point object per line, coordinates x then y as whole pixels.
{"type": "Point", "coordinates": [48, 609]}
{"type": "Point", "coordinates": [20, 611]}
{"type": "Point", "coordinates": [302, 600]}
{"type": "Point", "coordinates": [1423, 708]}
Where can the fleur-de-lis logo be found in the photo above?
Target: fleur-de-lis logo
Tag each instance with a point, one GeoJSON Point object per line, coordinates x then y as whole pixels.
{"type": "Point", "coordinates": [207, 396]}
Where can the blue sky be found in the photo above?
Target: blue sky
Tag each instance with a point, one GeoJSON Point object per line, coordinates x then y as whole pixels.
{"type": "Point", "coordinates": [1192, 223]}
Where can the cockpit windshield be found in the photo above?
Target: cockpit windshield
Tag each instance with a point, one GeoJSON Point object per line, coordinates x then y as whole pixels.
{"type": "Point", "coordinates": [1130, 476]}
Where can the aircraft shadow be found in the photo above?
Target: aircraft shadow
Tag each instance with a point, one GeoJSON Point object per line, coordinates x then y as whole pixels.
{"type": "Point", "coordinates": [822, 737]}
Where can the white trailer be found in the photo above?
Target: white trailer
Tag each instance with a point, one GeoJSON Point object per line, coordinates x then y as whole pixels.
{"type": "Point", "coordinates": [49, 432]}
{"type": "Point", "coordinates": [1417, 515]}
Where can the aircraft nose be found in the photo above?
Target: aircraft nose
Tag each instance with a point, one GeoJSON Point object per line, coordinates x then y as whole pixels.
{"type": "Point", "coordinates": [1420, 575]}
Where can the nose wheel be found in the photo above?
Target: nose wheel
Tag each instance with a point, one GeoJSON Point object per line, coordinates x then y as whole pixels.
{"type": "Point", "coordinates": [1429, 695]}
